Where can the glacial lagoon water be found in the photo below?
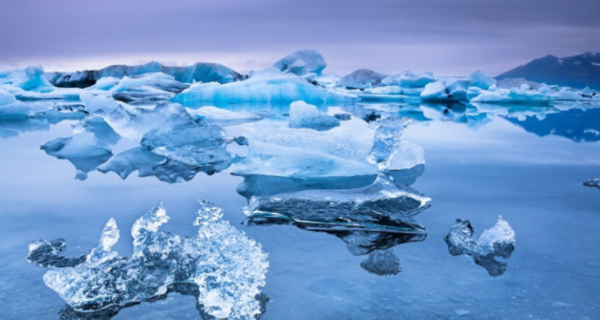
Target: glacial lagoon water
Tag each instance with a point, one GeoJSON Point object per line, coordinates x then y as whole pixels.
{"type": "Point", "coordinates": [525, 163]}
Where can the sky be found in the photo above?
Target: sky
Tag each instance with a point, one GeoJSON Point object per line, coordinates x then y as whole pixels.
{"type": "Point", "coordinates": [448, 37]}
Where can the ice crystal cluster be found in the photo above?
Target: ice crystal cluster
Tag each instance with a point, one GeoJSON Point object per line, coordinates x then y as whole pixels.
{"type": "Point", "coordinates": [227, 266]}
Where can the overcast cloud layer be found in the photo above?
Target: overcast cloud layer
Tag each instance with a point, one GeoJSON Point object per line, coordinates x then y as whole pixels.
{"type": "Point", "coordinates": [445, 36]}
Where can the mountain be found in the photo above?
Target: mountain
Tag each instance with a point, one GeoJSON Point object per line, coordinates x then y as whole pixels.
{"type": "Point", "coordinates": [577, 71]}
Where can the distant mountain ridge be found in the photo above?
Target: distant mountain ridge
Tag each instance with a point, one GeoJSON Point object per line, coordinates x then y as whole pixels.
{"type": "Point", "coordinates": [577, 71]}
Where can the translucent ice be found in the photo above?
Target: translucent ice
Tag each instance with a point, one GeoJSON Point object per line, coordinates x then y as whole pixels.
{"type": "Point", "coordinates": [513, 95]}
{"type": "Point", "coordinates": [595, 182]}
{"type": "Point", "coordinates": [360, 79]}
{"type": "Point", "coordinates": [480, 80]}
{"type": "Point", "coordinates": [302, 62]}
{"type": "Point", "coordinates": [223, 117]}
{"type": "Point", "coordinates": [498, 241]}
{"type": "Point", "coordinates": [409, 79]}
{"type": "Point", "coordinates": [269, 86]}
{"type": "Point", "coordinates": [227, 267]}
{"type": "Point", "coordinates": [450, 89]}
{"type": "Point", "coordinates": [83, 150]}
{"type": "Point", "coordinates": [277, 150]}
{"type": "Point", "coordinates": [303, 115]}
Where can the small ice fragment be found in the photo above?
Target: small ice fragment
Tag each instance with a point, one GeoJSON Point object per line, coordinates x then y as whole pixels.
{"type": "Point", "coordinates": [498, 241]}
{"type": "Point", "coordinates": [303, 115]}
{"type": "Point", "coordinates": [595, 182]}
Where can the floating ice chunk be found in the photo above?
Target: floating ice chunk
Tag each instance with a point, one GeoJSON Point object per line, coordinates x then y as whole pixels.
{"type": "Point", "coordinates": [83, 150]}
{"type": "Point", "coordinates": [303, 115]}
{"type": "Point", "coordinates": [28, 79]}
{"type": "Point", "coordinates": [480, 80]}
{"type": "Point", "coordinates": [269, 86]}
{"type": "Point", "coordinates": [451, 89]}
{"type": "Point", "coordinates": [6, 98]}
{"type": "Point", "coordinates": [409, 79]}
{"type": "Point", "coordinates": [498, 241]}
{"type": "Point", "coordinates": [50, 254]}
{"type": "Point", "coordinates": [223, 117]}
{"type": "Point", "coordinates": [199, 72]}
{"type": "Point", "coordinates": [361, 78]}
{"type": "Point", "coordinates": [302, 62]}
{"type": "Point", "coordinates": [513, 95]}
{"type": "Point", "coordinates": [159, 81]}
{"type": "Point", "coordinates": [227, 267]}
{"type": "Point", "coordinates": [277, 150]}
{"type": "Point", "coordinates": [595, 182]}
{"type": "Point", "coordinates": [382, 263]}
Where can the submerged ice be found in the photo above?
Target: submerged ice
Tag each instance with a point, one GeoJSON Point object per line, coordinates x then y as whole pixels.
{"type": "Point", "coordinates": [227, 267]}
{"type": "Point", "coordinates": [497, 242]}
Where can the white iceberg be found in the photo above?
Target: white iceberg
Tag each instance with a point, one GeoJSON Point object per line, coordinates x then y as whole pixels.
{"type": "Point", "coordinates": [450, 89]}
{"type": "Point", "coordinates": [302, 62]}
{"type": "Point", "coordinates": [303, 115]}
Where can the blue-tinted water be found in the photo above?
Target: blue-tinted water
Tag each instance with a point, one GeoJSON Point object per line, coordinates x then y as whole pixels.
{"type": "Point", "coordinates": [527, 167]}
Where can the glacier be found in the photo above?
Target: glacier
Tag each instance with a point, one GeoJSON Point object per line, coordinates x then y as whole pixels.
{"type": "Point", "coordinates": [497, 242]}
{"type": "Point", "coordinates": [227, 267]}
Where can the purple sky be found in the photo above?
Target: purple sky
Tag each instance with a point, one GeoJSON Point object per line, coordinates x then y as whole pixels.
{"type": "Point", "coordinates": [449, 37]}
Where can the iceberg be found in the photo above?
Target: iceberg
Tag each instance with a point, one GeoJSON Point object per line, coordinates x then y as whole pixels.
{"type": "Point", "coordinates": [83, 150]}
{"type": "Point", "coordinates": [499, 241]}
{"type": "Point", "coordinates": [198, 72]}
{"type": "Point", "coordinates": [595, 182]}
{"type": "Point", "coordinates": [303, 115]}
{"type": "Point", "coordinates": [360, 79]}
{"type": "Point", "coordinates": [269, 86]}
{"type": "Point", "coordinates": [451, 89]}
{"type": "Point", "coordinates": [409, 79]}
{"type": "Point", "coordinates": [480, 80]}
{"type": "Point", "coordinates": [226, 267]}
{"type": "Point", "coordinates": [382, 204]}
{"type": "Point", "coordinates": [513, 95]}
{"type": "Point", "coordinates": [223, 117]}
{"type": "Point", "coordinates": [28, 79]}
{"type": "Point", "coordinates": [277, 150]}
{"type": "Point", "coordinates": [301, 63]}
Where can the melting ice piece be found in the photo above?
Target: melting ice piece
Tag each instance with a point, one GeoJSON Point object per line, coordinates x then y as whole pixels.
{"type": "Point", "coordinates": [382, 263]}
{"type": "Point", "coordinates": [303, 115]}
{"type": "Point", "coordinates": [269, 86]}
{"type": "Point", "coordinates": [302, 62]}
{"type": "Point", "coordinates": [595, 182]}
{"type": "Point", "coordinates": [361, 79]}
{"type": "Point", "coordinates": [409, 79]}
{"type": "Point", "coordinates": [277, 150]}
{"type": "Point", "coordinates": [498, 241]}
{"type": "Point", "coordinates": [83, 150]}
{"type": "Point", "coordinates": [227, 267]}
{"type": "Point", "coordinates": [451, 89]}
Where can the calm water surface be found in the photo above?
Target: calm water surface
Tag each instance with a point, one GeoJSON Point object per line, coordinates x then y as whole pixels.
{"type": "Point", "coordinates": [524, 163]}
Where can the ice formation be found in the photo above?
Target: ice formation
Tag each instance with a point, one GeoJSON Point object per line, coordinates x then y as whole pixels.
{"type": "Point", "coordinates": [269, 86]}
{"type": "Point", "coordinates": [303, 115]}
{"type": "Point", "coordinates": [595, 182]}
{"type": "Point", "coordinates": [28, 79]}
{"type": "Point", "coordinates": [277, 150]}
{"type": "Point", "coordinates": [302, 62]}
{"type": "Point", "coordinates": [83, 150]}
{"type": "Point", "coordinates": [409, 79]}
{"type": "Point", "coordinates": [451, 89]}
{"type": "Point", "coordinates": [227, 267]}
{"type": "Point", "coordinates": [199, 72]}
{"type": "Point", "coordinates": [381, 204]}
{"type": "Point", "coordinates": [498, 241]}
{"type": "Point", "coordinates": [360, 79]}
{"type": "Point", "coordinates": [480, 80]}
